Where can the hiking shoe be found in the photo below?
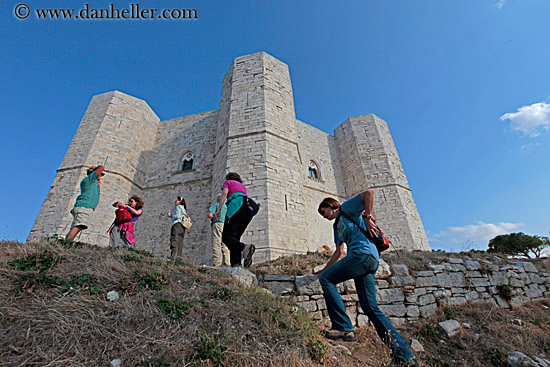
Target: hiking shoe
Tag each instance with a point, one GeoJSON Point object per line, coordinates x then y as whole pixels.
{"type": "Point", "coordinates": [247, 253]}
{"type": "Point", "coordinates": [347, 336]}
{"type": "Point", "coordinates": [398, 363]}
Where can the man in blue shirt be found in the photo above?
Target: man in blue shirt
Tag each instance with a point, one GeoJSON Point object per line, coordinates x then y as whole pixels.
{"type": "Point", "coordinates": [360, 264]}
{"type": "Point", "coordinates": [87, 201]}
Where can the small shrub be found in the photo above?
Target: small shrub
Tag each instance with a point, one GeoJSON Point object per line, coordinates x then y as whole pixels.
{"type": "Point", "coordinates": [224, 294]}
{"type": "Point", "coordinates": [496, 357]}
{"type": "Point", "coordinates": [152, 281]}
{"type": "Point", "coordinates": [140, 252]}
{"type": "Point", "coordinates": [505, 291]}
{"type": "Point", "coordinates": [83, 281]}
{"type": "Point", "coordinates": [210, 349]}
{"type": "Point", "coordinates": [153, 362]}
{"type": "Point", "coordinates": [429, 333]}
{"type": "Point", "coordinates": [176, 309]}
{"type": "Point", "coordinates": [41, 262]}
{"type": "Point", "coordinates": [29, 282]}
{"type": "Point", "coordinates": [65, 242]}
{"type": "Point", "coordinates": [131, 258]}
{"type": "Point", "coordinates": [435, 361]}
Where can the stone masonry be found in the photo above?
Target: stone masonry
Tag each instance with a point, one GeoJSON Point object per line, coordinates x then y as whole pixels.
{"type": "Point", "coordinates": [405, 295]}
{"type": "Point", "coordinates": [255, 133]}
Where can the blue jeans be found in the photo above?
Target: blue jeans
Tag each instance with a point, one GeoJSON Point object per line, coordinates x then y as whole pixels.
{"type": "Point", "coordinates": [360, 268]}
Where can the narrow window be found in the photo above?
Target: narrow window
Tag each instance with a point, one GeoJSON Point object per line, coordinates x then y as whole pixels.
{"type": "Point", "coordinates": [188, 161]}
{"type": "Point", "coordinates": [313, 170]}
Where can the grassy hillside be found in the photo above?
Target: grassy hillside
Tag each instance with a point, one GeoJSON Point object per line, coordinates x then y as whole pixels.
{"type": "Point", "coordinates": [58, 308]}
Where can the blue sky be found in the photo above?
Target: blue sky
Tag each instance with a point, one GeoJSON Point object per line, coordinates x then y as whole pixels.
{"type": "Point", "coordinates": [463, 85]}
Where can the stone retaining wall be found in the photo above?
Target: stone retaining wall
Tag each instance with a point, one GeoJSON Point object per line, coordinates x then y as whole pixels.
{"type": "Point", "coordinates": [405, 295]}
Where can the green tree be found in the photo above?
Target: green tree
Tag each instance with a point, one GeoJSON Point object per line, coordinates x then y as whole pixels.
{"type": "Point", "coordinates": [519, 244]}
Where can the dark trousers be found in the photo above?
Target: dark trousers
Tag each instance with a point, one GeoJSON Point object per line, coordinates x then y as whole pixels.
{"type": "Point", "coordinates": [177, 232]}
{"type": "Point", "coordinates": [233, 229]}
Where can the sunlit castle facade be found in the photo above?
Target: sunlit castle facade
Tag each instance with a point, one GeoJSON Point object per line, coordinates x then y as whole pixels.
{"type": "Point", "coordinates": [287, 166]}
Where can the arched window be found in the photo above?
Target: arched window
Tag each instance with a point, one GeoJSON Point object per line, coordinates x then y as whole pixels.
{"type": "Point", "coordinates": [188, 161]}
{"type": "Point", "coordinates": [313, 170]}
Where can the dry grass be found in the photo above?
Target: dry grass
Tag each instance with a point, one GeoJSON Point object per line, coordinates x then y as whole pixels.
{"type": "Point", "coordinates": [494, 333]}
{"type": "Point", "coordinates": [46, 323]}
{"type": "Point", "coordinates": [293, 264]}
{"type": "Point", "coordinates": [214, 321]}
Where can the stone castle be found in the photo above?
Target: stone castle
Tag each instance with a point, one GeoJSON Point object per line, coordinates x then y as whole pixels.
{"type": "Point", "coordinates": [287, 166]}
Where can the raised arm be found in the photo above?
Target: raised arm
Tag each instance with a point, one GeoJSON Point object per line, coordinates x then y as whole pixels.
{"type": "Point", "coordinates": [368, 199]}
{"type": "Point", "coordinates": [221, 201]}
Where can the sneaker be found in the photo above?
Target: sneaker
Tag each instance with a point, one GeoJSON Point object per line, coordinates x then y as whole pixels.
{"type": "Point", "coordinates": [347, 336]}
{"type": "Point", "coordinates": [247, 253]}
{"type": "Point", "coordinates": [411, 363]}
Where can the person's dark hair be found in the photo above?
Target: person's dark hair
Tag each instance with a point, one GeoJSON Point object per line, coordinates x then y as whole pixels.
{"type": "Point", "coordinates": [139, 202]}
{"type": "Point", "coordinates": [233, 176]}
{"type": "Point", "coordinates": [328, 203]}
{"type": "Point", "coordinates": [182, 202]}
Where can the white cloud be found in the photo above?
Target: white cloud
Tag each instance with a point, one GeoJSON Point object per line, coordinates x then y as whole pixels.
{"type": "Point", "coordinates": [499, 4]}
{"type": "Point", "coordinates": [530, 120]}
{"type": "Point", "coordinates": [479, 232]}
{"type": "Point", "coordinates": [530, 146]}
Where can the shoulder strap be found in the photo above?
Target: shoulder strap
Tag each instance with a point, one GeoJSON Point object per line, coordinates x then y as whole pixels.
{"type": "Point", "coordinates": [354, 222]}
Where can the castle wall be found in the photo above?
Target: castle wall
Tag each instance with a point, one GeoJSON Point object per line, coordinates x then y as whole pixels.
{"type": "Point", "coordinates": [372, 162]}
{"type": "Point", "coordinates": [317, 146]}
{"type": "Point", "coordinates": [115, 128]}
{"type": "Point", "coordinates": [166, 180]}
{"type": "Point", "coordinates": [255, 133]}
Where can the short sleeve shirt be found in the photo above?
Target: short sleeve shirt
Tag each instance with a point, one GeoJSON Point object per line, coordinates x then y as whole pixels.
{"type": "Point", "coordinates": [177, 214]}
{"type": "Point", "coordinates": [233, 187]}
{"type": "Point", "coordinates": [89, 192]}
{"type": "Point", "coordinates": [347, 232]}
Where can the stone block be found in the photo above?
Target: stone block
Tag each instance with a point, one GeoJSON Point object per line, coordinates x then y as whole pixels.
{"type": "Point", "coordinates": [397, 321]}
{"type": "Point", "coordinates": [532, 291]}
{"type": "Point", "coordinates": [517, 283]}
{"type": "Point", "coordinates": [527, 266]}
{"type": "Point", "coordinates": [308, 285]}
{"type": "Point", "coordinates": [501, 301]}
{"type": "Point", "coordinates": [412, 311]}
{"type": "Point", "coordinates": [393, 310]}
{"type": "Point", "coordinates": [400, 281]}
{"type": "Point", "coordinates": [472, 265]}
{"type": "Point", "coordinates": [426, 281]}
{"type": "Point", "coordinates": [383, 271]}
{"type": "Point", "coordinates": [498, 278]}
{"type": "Point", "coordinates": [400, 270]}
{"type": "Point", "coordinates": [428, 310]}
{"type": "Point", "coordinates": [349, 286]}
{"type": "Point", "coordinates": [278, 278]}
{"type": "Point", "coordinates": [454, 260]}
{"type": "Point", "coordinates": [362, 320]}
{"type": "Point", "coordinates": [426, 299]}
{"type": "Point", "coordinates": [478, 282]}
{"type": "Point", "coordinates": [450, 327]}
{"type": "Point", "coordinates": [436, 268]}
{"type": "Point", "coordinates": [390, 295]}
{"type": "Point", "coordinates": [280, 288]}
{"type": "Point", "coordinates": [309, 306]}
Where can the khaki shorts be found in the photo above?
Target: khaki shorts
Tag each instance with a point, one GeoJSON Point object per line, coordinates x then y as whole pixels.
{"type": "Point", "coordinates": [82, 216]}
